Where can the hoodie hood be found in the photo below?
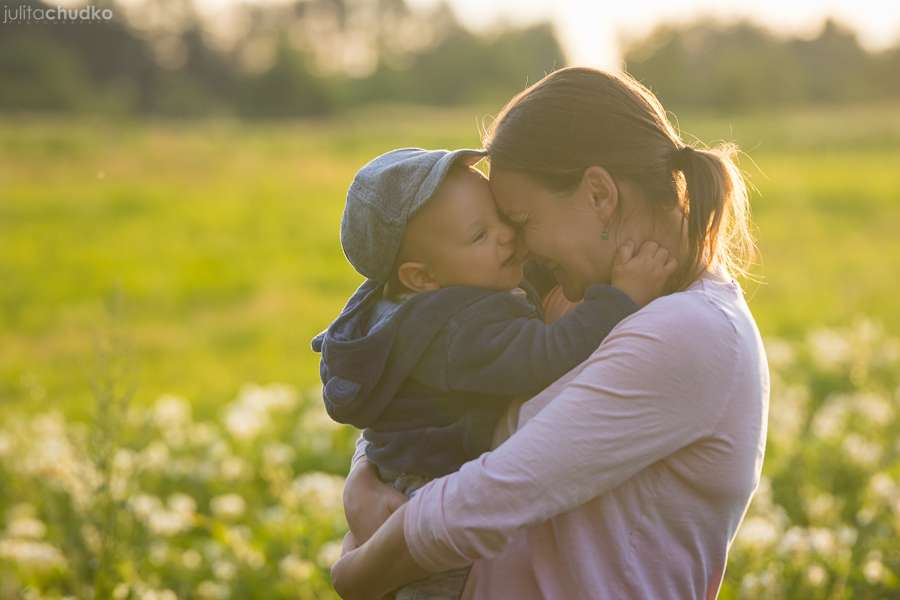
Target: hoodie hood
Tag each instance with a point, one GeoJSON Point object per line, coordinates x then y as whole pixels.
{"type": "Point", "coordinates": [368, 354]}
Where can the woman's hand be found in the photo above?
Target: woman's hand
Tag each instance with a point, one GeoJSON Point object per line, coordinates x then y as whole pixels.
{"type": "Point", "coordinates": [378, 566]}
{"type": "Point", "coordinates": [368, 502]}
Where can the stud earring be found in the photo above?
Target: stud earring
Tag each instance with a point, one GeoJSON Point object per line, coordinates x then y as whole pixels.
{"type": "Point", "coordinates": [604, 235]}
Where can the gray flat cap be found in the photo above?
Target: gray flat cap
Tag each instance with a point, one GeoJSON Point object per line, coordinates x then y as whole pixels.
{"type": "Point", "coordinates": [382, 198]}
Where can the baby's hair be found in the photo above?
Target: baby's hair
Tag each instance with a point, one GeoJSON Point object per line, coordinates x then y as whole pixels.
{"type": "Point", "coordinates": [394, 288]}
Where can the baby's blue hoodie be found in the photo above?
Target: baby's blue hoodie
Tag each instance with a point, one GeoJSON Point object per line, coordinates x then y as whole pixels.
{"type": "Point", "coordinates": [428, 378]}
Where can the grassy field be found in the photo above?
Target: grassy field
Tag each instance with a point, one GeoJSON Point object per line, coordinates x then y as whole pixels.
{"type": "Point", "coordinates": [212, 249]}
{"type": "Point", "coordinates": [221, 239]}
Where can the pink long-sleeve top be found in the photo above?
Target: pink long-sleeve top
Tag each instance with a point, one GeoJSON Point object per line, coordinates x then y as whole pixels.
{"type": "Point", "coordinates": [626, 478]}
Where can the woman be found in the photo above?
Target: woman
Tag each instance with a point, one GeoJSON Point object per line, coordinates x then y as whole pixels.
{"type": "Point", "coordinates": [628, 477]}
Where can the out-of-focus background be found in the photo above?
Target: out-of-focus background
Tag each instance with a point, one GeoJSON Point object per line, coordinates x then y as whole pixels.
{"type": "Point", "coordinates": [172, 175]}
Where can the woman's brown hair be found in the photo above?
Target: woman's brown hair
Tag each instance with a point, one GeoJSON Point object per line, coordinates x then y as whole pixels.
{"type": "Point", "coordinates": [575, 118]}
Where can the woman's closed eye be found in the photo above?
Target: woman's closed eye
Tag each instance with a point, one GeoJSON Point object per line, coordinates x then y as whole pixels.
{"type": "Point", "coordinates": [479, 236]}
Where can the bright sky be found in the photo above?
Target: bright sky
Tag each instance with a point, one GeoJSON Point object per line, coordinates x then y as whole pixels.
{"type": "Point", "coordinates": [589, 29]}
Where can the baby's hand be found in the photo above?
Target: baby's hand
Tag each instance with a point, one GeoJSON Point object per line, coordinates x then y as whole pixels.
{"type": "Point", "coordinates": [643, 275]}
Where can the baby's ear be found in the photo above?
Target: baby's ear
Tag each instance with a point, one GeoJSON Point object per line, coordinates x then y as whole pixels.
{"type": "Point", "coordinates": [416, 277]}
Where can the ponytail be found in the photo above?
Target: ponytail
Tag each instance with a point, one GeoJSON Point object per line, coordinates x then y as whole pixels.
{"type": "Point", "coordinates": [716, 210]}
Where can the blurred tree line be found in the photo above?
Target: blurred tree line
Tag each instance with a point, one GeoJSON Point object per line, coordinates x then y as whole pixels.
{"type": "Point", "coordinates": [742, 65]}
{"type": "Point", "coordinates": [312, 57]}
{"type": "Point", "coordinates": [307, 57]}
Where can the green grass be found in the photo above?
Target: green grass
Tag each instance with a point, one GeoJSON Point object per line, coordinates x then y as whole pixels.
{"type": "Point", "coordinates": [221, 238]}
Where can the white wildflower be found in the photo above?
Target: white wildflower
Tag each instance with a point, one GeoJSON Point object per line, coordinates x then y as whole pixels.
{"type": "Point", "coordinates": [829, 348]}
{"type": "Point", "coordinates": [757, 532]}
{"type": "Point", "coordinates": [202, 434]}
{"type": "Point", "coordinates": [26, 527]}
{"type": "Point", "coordinates": [873, 407]}
{"type": "Point", "coordinates": [788, 412]}
{"type": "Point", "coordinates": [831, 417]}
{"type": "Point", "coordinates": [823, 507]}
{"type": "Point", "coordinates": [749, 583]}
{"type": "Point", "coordinates": [183, 504]}
{"type": "Point", "coordinates": [816, 575]}
{"type": "Point", "coordinates": [224, 569]}
{"type": "Point", "coordinates": [143, 505]}
{"type": "Point", "coordinates": [883, 486]}
{"type": "Point", "coordinates": [168, 522]}
{"type": "Point", "coordinates": [794, 542]}
{"type": "Point", "coordinates": [123, 460]}
{"type": "Point", "coordinates": [296, 568]}
{"type": "Point", "coordinates": [191, 559]}
{"type": "Point", "coordinates": [219, 449]}
{"type": "Point", "coordinates": [32, 554]}
{"type": "Point", "coordinates": [158, 595]}
{"type": "Point", "coordinates": [162, 520]}
{"type": "Point", "coordinates": [315, 419]}
{"type": "Point", "coordinates": [822, 540]}
{"type": "Point", "coordinates": [52, 457]}
{"type": "Point", "coordinates": [873, 568]}
{"type": "Point", "coordinates": [228, 506]}
{"type": "Point", "coordinates": [276, 454]}
{"type": "Point", "coordinates": [232, 468]}
{"type": "Point", "coordinates": [865, 515]}
{"type": "Point", "coordinates": [329, 554]}
{"type": "Point", "coordinates": [244, 422]}
{"type": "Point", "coordinates": [779, 352]}
{"type": "Point", "coordinates": [249, 414]}
{"type": "Point", "coordinates": [847, 535]}
{"type": "Point", "coordinates": [212, 590]}
{"type": "Point", "coordinates": [862, 451]}
{"type": "Point", "coordinates": [171, 412]}
{"type": "Point", "coordinates": [275, 397]}
{"type": "Point", "coordinates": [155, 457]}
{"type": "Point", "coordinates": [316, 489]}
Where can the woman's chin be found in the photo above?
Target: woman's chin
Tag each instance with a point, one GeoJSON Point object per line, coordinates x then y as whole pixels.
{"type": "Point", "coordinates": [573, 291]}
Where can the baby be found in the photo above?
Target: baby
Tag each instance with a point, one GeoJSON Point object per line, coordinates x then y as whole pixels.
{"type": "Point", "coordinates": [429, 351]}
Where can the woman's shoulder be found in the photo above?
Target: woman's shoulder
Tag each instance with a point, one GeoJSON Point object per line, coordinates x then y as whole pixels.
{"type": "Point", "coordinates": [692, 323]}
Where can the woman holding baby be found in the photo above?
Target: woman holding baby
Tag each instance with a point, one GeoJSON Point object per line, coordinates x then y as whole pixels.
{"type": "Point", "coordinates": [628, 476]}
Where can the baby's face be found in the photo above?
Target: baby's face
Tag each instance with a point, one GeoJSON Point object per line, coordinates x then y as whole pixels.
{"type": "Point", "coordinates": [462, 240]}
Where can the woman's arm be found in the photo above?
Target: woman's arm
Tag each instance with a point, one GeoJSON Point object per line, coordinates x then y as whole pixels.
{"type": "Point", "coordinates": [379, 566]}
{"type": "Point", "coordinates": [658, 384]}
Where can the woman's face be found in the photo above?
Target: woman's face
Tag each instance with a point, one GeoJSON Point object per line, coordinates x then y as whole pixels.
{"type": "Point", "coordinates": [563, 231]}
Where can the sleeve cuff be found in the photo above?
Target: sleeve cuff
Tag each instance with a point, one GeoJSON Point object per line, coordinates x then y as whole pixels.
{"type": "Point", "coordinates": [425, 532]}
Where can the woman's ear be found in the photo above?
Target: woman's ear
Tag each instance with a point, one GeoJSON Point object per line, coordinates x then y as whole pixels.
{"type": "Point", "coordinates": [601, 190]}
{"type": "Point", "coordinates": [416, 277]}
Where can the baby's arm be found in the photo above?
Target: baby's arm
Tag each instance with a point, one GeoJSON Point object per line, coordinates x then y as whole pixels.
{"type": "Point", "coordinates": [643, 275]}
{"type": "Point", "coordinates": [489, 352]}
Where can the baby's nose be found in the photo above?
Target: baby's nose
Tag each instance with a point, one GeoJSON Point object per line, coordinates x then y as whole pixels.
{"type": "Point", "coordinates": [507, 234]}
